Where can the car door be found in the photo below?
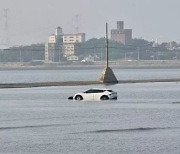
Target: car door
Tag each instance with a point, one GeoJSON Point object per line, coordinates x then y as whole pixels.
{"type": "Point", "coordinates": [97, 94]}
{"type": "Point", "coordinates": [88, 95]}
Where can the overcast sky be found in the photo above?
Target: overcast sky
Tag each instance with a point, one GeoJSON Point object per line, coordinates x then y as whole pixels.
{"type": "Point", "coordinates": [31, 21]}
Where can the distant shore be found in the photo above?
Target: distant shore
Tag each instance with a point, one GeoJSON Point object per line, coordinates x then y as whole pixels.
{"type": "Point", "coordinates": [79, 83]}
{"type": "Point", "coordinates": [161, 64]}
{"type": "Point", "coordinates": [77, 66]}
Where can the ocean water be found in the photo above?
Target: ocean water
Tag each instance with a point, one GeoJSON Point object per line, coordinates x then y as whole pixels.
{"type": "Point", "coordinates": [144, 119]}
{"type": "Point", "coordinates": [18, 76]}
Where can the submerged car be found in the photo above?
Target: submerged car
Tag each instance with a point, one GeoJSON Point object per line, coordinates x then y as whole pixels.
{"type": "Point", "coordinates": [95, 95]}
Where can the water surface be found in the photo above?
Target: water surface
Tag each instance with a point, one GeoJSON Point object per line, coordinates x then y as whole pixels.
{"type": "Point", "coordinates": [144, 119]}
{"type": "Point", "coordinates": [20, 76]}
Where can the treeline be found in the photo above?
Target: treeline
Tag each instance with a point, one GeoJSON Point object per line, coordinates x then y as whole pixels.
{"type": "Point", "coordinates": [97, 48]}
{"type": "Point", "coordinates": [139, 49]}
{"type": "Point", "coordinates": [23, 53]}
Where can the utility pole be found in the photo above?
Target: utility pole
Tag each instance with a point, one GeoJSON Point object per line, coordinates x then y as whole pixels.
{"type": "Point", "coordinates": [5, 37]}
{"type": "Point", "coordinates": [59, 48]}
{"type": "Point", "coordinates": [107, 76]}
{"type": "Point", "coordinates": [32, 55]}
{"type": "Point", "coordinates": [107, 47]}
{"type": "Point", "coordinates": [0, 55]}
{"type": "Point", "coordinates": [138, 53]}
{"type": "Point", "coordinates": [20, 57]}
{"type": "Point", "coordinates": [125, 55]}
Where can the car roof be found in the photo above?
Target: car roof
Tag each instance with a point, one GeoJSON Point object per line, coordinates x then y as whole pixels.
{"type": "Point", "coordinates": [99, 89]}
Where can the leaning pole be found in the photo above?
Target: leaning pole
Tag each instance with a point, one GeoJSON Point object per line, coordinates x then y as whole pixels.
{"type": "Point", "coordinates": [107, 76]}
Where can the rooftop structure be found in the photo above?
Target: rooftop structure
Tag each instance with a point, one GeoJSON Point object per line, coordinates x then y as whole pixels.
{"type": "Point", "coordinates": [120, 34]}
{"type": "Point", "coordinates": [53, 48]}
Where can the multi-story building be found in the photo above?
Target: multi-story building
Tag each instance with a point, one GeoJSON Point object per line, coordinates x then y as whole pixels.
{"type": "Point", "coordinates": [69, 41]}
{"type": "Point", "coordinates": [120, 34]}
{"type": "Point", "coordinates": [60, 46]}
{"type": "Point", "coordinates": [53, 48]}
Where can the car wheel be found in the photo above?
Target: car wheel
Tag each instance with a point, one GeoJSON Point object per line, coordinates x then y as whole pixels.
{"type": "Point", "coordinates": [78, 97]}
{"type": "Point", "coordinates": [104, 98]}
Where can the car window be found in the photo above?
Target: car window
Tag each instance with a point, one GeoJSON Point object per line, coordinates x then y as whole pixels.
{"type": "Point", "coordinates": [89, 91]}
{"type": "Point", "coordinates": [110, 90]}
{"type": "Point", "coordinates": [94, 91]}
{"type": "Point", "coordinates": [98, 91]}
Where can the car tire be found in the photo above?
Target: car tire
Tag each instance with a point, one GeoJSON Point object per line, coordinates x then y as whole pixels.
{"type": "Point", "coordinates": [104, 98]}
{"type": "Point", "coordinates": [78, 97]}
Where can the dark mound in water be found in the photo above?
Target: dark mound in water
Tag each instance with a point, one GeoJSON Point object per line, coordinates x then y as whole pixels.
{"type": "Point", "coordinates": [70, 97]}
{"type": "Point", "coordinates": [176, 102]}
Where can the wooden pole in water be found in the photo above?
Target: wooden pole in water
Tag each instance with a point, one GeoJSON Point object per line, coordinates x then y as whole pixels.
{"type": "Point", "coordinates": [107, 52]}
{"type": "Point", "coordinates": [107, 75]}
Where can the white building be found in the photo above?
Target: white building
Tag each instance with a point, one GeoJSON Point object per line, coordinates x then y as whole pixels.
{"type": "Point", "coordinates": [68, 49]}
{"type": "Point", "coordinates": [61, 45]}
{"type": "Point", "coordinates": [52, 38]}
{"type": "Point", "coordinates": [69, 41]}
{"type": "Point", "coordinates": [74, 38]}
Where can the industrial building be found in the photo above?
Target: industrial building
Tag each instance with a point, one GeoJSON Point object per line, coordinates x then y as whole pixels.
{"type": "Point", "coordinates": [121, 35]}
{"type": "Point", "coordinates": [53, 48]}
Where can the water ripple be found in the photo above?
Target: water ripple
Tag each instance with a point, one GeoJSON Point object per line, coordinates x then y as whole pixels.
{"type": "Point", "coordinates": [44, 126]}
{"type": "Point", "coordinates": [130, 129]}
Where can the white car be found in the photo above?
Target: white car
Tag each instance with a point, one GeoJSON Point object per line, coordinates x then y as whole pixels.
{"type": "Point", "coordinates": [95, 95]}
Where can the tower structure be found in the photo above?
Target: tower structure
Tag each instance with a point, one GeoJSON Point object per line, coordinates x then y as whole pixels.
{"type": "Point", "coordinates": [53, 48]}
{"type": "Point", "coordinates": [5, 34]}
{"type": "Point", "coordinates": [107, 75]}
{"type": "Point", "coordinates": [77, 23]}
{"type": "Point", "coordinates": [120, 34]}
{"type": "Point", "coordinates": [120, 25]}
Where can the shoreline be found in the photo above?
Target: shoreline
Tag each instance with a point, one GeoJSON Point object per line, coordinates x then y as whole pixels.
{"type": "Point", "coordinates": [80, 83]}
{"type": "Point", "coordinates": [89, 67]}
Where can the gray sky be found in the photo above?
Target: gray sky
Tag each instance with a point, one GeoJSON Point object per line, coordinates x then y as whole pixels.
{"type": "Point", "coordinates": [31, 21]}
